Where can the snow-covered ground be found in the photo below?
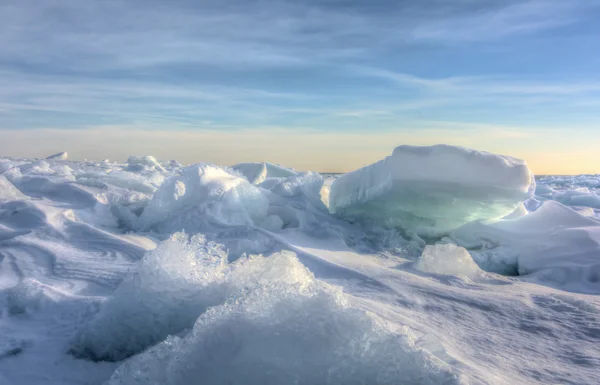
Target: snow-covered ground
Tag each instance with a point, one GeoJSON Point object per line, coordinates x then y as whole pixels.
{"type": "Point", "coordinates": [150, 272]}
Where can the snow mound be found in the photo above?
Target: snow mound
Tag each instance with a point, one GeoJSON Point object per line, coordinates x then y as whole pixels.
{"type": "Point", "coordinates": [555, 240]}
{"type": "Point", "coordinates": [437, 188]}
{"type": "Point", "coordinates": [287, 329]}
{"type": "Point", "coordinates": [26, 297]}
{"type": "Point", "coordinates": [203, 193]}
{"type": "Point", "coordinates": [447, 259]}
{"type": "Point", "coordinates": [60, 156]}
{"type": "Point", "coordinates": [257, 173]}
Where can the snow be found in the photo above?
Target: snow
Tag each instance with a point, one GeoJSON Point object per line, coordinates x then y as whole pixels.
{"type": "Point", "coordinates": [435, 188]}
{"type": "Point", "coordinates": [204, 193]}
{"type": "Point", "coordinates": [99, 285]}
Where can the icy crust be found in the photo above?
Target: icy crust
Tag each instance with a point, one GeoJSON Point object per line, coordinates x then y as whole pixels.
{"type": "Point", "coordinates": [554, 242]}
{"type": "Point", "coordinates": [439, 187]}
{"type": "Point", "coordinates": [202, 194]}
{"type": "Point", "coordinates": [257, 173]}
{"type": "Point", "coordinates": [279, 325]}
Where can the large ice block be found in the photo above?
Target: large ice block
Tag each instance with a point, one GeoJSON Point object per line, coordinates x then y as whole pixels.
{"type": "Point", "coordinates": [435, 188]}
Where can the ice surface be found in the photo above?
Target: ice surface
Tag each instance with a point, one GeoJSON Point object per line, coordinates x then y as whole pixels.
{"type": "Point", "coordinates": [204, 193]}
{"type": "Point", "coordinates": [447, 259]}
{"type": "Point", "coordinates": [257, 173]}
{"type": "Point", "coordinates": [439, 187]}
{"type": "Point", "coordinates": [289, 329]}
{"type": "Point", "coordinates": [76, 271]}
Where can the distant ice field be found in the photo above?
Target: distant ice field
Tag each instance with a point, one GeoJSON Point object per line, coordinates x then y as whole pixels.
{"type": "Point", "coordinates": [435, 265]}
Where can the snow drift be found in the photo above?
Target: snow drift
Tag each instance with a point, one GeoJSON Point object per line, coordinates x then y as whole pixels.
{"type": "Point", "coordinates": [559, 244]}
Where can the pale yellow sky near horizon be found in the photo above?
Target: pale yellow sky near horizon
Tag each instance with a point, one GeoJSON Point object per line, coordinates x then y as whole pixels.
{"type": "Point", "coordinates": [546, 152]}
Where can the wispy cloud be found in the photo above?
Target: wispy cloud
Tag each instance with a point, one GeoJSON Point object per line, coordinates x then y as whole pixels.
{"type": "Point", "coordinates": [511, 19]}
{"type": "Point", "coordinates": [340, 67]}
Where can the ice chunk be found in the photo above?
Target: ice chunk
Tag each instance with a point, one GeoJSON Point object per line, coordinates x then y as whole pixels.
{"type": "Point", "coordinates": [8, 191]}
{"type": "Point", "coordinates": [170, 288]}
{"type": "Point", "coordinates": [287, 329]}
{"type": "Point", "coordinates": [200, 194]}
{"type": "Point", "coordinates": [439, 187]}
{"type": "Point", "coordinates": [59, 156]}
{"type": "Point", "coordinates": [447, 259]}
{"type": "Point", "coordinates": [257, 173]}
{"type": "Point", "coordinates": [554, 239]}
{"type": "Point", "coordinates": [147, 160]}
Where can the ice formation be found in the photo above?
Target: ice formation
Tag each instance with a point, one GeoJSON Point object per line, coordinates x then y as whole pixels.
{"type": "Point", "coordinates": [8, 191]}
{"type": "Point", "coordinates": [98, 286]}
{"type": "Point", "coordinates": [439, 187]}
{"type": "Point", "coordinates": [447, 259]}
{"type": "Point", "coordinates": [202, 194]}
{"type": "Point", "coordinates": [136, 163]}
{"type": "Point", "coordinates": [257, 173]}
{"type": "Point", "coordinates": [288, 329]}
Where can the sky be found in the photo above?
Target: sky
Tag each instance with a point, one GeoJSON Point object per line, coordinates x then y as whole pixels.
{"type": "Point", "coordinates": [328, 85]}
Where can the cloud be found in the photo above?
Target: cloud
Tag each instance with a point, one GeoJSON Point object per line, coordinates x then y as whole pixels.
{"type": "Point", "coordinates": [512, 19]}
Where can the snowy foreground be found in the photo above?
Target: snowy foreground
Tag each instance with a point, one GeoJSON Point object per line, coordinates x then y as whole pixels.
{"type": "Point", "coordinates": [436, 265]}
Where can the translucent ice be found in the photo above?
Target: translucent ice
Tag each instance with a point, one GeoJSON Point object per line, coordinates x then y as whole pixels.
{"type": "Point", "coordinates": [287, 329]}
{"type": "Point", "coordinates": [147, 160]}
{"type": "Point", "coordinates": [170, 288]}
{"type": "Point", "coordinates": [447, 259]}
{"type": "Point", "coordinates": [436, 188]}
{"type": "Point", "coordinates": [8, 191]}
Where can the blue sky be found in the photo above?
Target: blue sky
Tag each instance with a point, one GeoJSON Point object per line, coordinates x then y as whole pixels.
{"type": "Point", "coordinates": [517, 77]}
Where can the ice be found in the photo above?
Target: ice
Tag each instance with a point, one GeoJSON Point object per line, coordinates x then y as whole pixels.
{"type": "Point", "coordinates": [204, 193]}
{"type": "Point", "coordinates": [555, 240]}
{"type": "Point", "coordinates": [59, 156]}
{"type": "Point", "coordinates": [257, 173]}
{"type": "Point", "coordinates": [437, 188]}
{"type": "Point", "coordinates": [134, 163]}
{"type": "Point", "coordinates": [170, 288]}
{"type": "Point", "coordinates": [447, 259]}
{"type": "Point", "coordinates": [287, 329]}
{"type": "Point", "coordinates": [271, 288]}
{"type": "Point", "coordinates": [8, 191]}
